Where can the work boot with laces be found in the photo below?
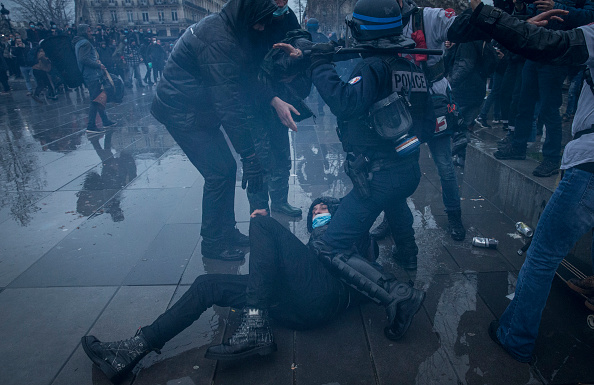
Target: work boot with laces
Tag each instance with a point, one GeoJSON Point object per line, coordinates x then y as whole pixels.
{"type": "Point", "coordinates": [116, 359]}
{"type": "Point", "coordinates": [546, 168]}
{"type": "Point", "coordinates": [253, 336]}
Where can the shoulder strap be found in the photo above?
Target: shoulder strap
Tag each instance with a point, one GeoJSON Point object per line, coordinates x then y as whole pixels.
{"type": "Point", "coordinates": [588, 78]}
{"type": "Point", "coordinates": [418, 20]}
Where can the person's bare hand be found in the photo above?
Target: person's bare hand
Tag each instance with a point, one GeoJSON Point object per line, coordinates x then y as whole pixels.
{"type": "Point", "coordinates": [474, 4]}
{"type": "Point", "coordinates": [543, 19]}
{"type": "Point", "coordinates": [500, 54]}
{"type": "Point", "coordinates": [283, 110]}
{"type": "Point", "coordinates": [262, 212]}
{"type": "Point", "coordinates": [293, 52]}
{"type": "Point", "coordinates": [544, 5]}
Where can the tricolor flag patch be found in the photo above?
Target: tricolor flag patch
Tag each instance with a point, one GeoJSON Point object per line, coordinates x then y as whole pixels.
{"type": "Point", "coordinates": [355, 80]}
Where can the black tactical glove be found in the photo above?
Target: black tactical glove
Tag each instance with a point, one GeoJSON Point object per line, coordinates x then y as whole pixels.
{"type": "Point", "coordinates": [321, 53]}
{"type": "Point", "coordinates": [252, 174]}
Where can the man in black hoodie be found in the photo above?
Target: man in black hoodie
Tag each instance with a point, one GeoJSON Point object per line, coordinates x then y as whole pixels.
{"type": "Point", "coordinates": [200, 91]}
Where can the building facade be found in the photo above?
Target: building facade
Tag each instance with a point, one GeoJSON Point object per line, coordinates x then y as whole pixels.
{"type": "Point", "coordinates": [163, 17]}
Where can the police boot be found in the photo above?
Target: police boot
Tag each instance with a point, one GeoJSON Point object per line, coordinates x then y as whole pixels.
{"type": "Point", "coordinates": [253, 336]}
{"type": "Point", "coordinates": [382, 230]}
{"type": "Point", "coordinates": [278, 188]}
{"type": "Point", "coordinates": [116, 359]}
{"type": "Point", "coordinates": [455, 226]}
{"type": "Point", "coordinates": [405, 254]}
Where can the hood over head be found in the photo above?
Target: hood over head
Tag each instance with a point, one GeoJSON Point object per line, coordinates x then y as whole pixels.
{"type": "Point", "coordinates": [332, 204]}
{"type": "Point", "coordinates": [81, 30]}
{"type": "Point", "coordinates": [243, 14]}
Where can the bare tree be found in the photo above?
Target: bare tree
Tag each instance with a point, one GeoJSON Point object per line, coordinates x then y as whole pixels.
{"type": "Point", "coordinates": [58, 11]}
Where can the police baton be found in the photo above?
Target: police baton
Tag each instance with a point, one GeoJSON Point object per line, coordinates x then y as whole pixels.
{"type": "Point", "coordinates": [352, 52]}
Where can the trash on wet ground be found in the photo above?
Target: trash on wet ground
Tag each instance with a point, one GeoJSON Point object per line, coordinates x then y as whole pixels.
{"type": "Point", "coordinates": [511, 296]}
{"type": "Point", "coordinates": [488, 243]}
{"type": "Point", "coordinates": [524, 229]}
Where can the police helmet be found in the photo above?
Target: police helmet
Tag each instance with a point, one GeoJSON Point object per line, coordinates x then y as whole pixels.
{"type": "Point", "coordinates": [312, 24]}
{"type": "Point", "coordinates": [375, 19]}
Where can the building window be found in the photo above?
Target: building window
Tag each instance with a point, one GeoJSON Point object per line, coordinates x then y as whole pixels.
{"type": "Point", "coordinates": [145, 16]}
{"type": "Point", "coordinates": [99, 17]}
{"type": "Point", "coordinates": [174, 14]}
{"type": "Point", "coordinates": [111, 2]}
{"type": "Point", "coordinates": [130, 15]}
{"type": "Point", "coordinates": [128, 1]}
{"type": "Point", "coordinates": [114, 16]}
{"type": "Point", "coordinates": [161, 15]}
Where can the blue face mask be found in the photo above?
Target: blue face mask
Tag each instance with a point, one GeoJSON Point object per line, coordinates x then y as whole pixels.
{"type": "Point", "coordinates": [321, 220]}
{"type": "Point", "coordinates": [281, 11]}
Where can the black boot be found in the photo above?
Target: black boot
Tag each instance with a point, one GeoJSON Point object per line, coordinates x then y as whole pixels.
{"type": "Point", "coordinates": [286, 208]}
{"type": "Point", "coordinates": [237, 239]}
{"type": "Point", "coordinates": [253, 336]}
{"type": "Point", "coordinates": [401, 313]}
{"type": "Point", "coordinates": [116, 359]}
{"type": "Point", "coordinates": [382, 230]}
{"type": "Point", "coordinates": [405, 254]}
{"type": "Point", "coordinates": [221, 252]}
{"type": "Point", "coordinates": [455, 226]}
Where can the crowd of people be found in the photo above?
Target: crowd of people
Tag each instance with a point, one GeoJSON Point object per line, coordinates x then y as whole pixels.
{"type": "Point", "coordinates": [127, 53]}
{"type": "Point", "coordinates": [245, 71]}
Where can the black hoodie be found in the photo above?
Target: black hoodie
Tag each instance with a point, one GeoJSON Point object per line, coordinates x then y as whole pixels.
{"type": "Point", "coordinates": [201, 84]}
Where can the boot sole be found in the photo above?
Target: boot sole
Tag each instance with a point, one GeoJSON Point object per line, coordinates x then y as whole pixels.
{"type": "Point", "coordinates": [262, 351]}
{"type": "Point", "coordinates": [544, 175]}
{"type": "Point", "coordinates": [418, 298]}
{"type": "Point", "coordinates": [586, 292]}
{"type": "Point", "coordinates": [107, 369]}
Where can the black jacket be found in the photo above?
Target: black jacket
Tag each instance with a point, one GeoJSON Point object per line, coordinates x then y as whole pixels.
{"type": "Point", "coordinates": [530, 41]}
{"type": "Point", "coordinates": [465, 79]}
{"type": "Point", "coordinates": [201, 84]}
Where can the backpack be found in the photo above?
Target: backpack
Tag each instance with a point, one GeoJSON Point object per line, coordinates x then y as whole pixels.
{"type": "Point", "coordinates": [60, 51]}
{"type": "Point", "coordinates": [487, 60]}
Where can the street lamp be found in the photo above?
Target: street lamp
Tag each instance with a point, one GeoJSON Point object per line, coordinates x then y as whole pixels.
{"type": "Point", "coordinates": [5, 18]}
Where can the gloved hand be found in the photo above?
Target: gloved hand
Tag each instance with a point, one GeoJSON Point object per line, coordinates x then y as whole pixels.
{"type": "Point", "coordinates": [321, 53]}
{"type": "Point", "coordinates": [252, 174]}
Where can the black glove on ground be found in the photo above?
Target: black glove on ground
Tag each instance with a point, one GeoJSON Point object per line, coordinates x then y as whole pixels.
{"type": "Point", "coordinates": [252, 174]}
{"type": "Point", "coordinates": [321, 53]}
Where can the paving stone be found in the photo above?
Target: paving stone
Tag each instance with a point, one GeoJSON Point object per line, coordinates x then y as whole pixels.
{"type": "Point", "coordinates": [41, 328]}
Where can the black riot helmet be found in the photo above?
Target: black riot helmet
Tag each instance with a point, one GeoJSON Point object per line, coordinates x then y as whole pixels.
{"type": "Point", "coordinates": [375, 19]}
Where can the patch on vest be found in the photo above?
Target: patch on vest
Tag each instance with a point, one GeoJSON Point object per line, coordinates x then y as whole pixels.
{"type": "Point", "coordinates": [355, 80]}
{"type": "Point", "coordinates": [415, 81]}
{"type": "Point", "coordinates": [441, 124]}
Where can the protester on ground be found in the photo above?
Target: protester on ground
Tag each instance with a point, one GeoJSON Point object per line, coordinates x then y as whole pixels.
{"type": "Point", "coordinates": [283, 272]}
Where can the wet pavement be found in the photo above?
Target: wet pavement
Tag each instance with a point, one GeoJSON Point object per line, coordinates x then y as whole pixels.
{"type": "Point", "coordinates": [99, 234]}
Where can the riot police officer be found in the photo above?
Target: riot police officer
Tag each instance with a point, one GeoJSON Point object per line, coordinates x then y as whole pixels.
{"type": "Point", "coordinates": [385, 100]}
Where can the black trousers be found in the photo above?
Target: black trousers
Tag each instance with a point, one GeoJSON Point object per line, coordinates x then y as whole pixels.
{"type": "Point", "coordinates": [271, 139]}
{"type": "Point", "coordinates": [209, 152]}
{"type": "Point", "coordinates": [4, 80]}
{"type": "Point", "coordinates": [42, 80]}
{"type": "Point", "coordinates": [285, 277]}
{"type": "Point", "coordinates": [94, 91]}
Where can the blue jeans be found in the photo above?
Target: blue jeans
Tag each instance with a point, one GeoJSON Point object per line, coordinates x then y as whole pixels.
{"type": "Point", "coordinates": [27, 73]}
{"type": "Point", "coordinates": [574, 92]}
{"type": "Point", "coordinates": [569, 214]}
{"type": "Point", "coordinates": [494, 98]}
{"type": "Point", "coordinates": [540, 82]}
{"type": "Point", "coordinates": [441, 151]}
{"type": "Point", "coordinates": [389, 190]}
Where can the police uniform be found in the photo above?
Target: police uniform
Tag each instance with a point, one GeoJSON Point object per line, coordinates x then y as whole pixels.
{"type": "Point", "coordinates": [393, 178]}
{"type": "Point", "coordinates": [382, 177]}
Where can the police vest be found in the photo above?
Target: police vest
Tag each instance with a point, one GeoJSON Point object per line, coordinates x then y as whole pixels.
{"type": "Point", "coordinates": [409, 81]}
